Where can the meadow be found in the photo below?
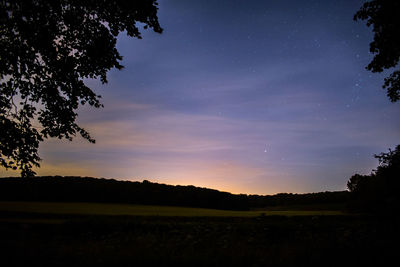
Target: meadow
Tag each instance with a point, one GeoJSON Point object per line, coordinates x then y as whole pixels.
{"type": "Point", "coordinates": [101, 234]}
{"type": "Point", "coordinates": [146, 210]}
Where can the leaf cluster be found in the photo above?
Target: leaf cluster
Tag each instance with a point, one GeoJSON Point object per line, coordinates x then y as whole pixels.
{"type": "Point", "coordinates": [383, 16]}
{"type": "Point", "coordinates": [47, 50]}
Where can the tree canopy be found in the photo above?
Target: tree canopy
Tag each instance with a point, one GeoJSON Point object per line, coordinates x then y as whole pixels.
{"type": "Point", "coordinates": [87, 189]}
{"type": "Point", "coordinates": [379, 190]}
{"type": "Point", "coordinates": [47, 49]}
{"type": "Point", "coordinates": [383, 16]}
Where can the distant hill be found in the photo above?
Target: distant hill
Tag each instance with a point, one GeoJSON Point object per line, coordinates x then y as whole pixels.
{"type": "Point", "coordinates": [88, 189]}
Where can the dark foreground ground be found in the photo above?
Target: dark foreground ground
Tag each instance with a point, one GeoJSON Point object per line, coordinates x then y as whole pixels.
{"type": "Point", "coordinates": [66, 240]}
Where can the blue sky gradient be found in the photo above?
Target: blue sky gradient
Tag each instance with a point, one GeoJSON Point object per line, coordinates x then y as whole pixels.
{"type": "Point", "coordinates": [242, 96]}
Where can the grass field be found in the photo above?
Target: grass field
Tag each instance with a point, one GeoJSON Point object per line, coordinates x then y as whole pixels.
{"type": "Point", "coordinates": [93, 234]}
{"type": "Point", "coordinates": [145, 210]}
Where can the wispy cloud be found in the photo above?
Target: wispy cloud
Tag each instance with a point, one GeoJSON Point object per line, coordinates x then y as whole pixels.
{"type": "Point", "coordinates": [267, 103]}
{"type": "Point", "coordinates": [255, 156]}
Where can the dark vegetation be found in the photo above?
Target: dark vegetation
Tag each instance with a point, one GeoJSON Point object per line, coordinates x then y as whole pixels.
{"type": "Point", "coordinates": [78, 189]}
{"type": "Point", "coordinates": [377, 192]}
{"type": "Point", "coordinates": [199, 241]}
{"type": "Point", "coordinates": [47, 50]}
{"type": "Point", "coordinates": [383, 16]}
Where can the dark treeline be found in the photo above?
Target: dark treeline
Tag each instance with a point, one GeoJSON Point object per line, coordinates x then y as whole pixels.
{"type": "Point", "coordinates": [86, 189]}
{"type": "Point", "coordinates": [320, 200]}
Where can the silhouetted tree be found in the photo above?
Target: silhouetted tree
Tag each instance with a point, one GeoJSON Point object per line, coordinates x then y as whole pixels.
{"type": "Point", "coordinates": [379, 190]}
{"type": "Point", "coordinates": [47, 48]}
{"type": "Point", "coordinates": [389, 160]}
{"type": "Point", "coordinates": [383, 15]}
{"type": "Point", "coordinates": [357, 182]}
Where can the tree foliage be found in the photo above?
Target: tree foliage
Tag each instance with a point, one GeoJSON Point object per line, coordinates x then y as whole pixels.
{"type": "Point", "coordinates": [383, 16]}
{"type": "Point", "coordinates": [379, 190]}
{"type": "Point", "coordinates": [47, 49]}
{"type": "Point", "coordinates": [86, 189]}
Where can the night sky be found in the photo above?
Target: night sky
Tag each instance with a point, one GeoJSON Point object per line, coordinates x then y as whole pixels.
{"type": "Point", "coordinates": [247, 96]}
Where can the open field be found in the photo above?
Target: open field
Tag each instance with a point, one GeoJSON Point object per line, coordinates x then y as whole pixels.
{"type": "Point", "coordinates": [90, 234]}
{"type": "Point", "coordinates": [144, 210]}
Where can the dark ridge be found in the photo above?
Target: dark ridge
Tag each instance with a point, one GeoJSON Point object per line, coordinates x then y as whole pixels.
{"type": "Point", "coordinates": [88, 189]}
